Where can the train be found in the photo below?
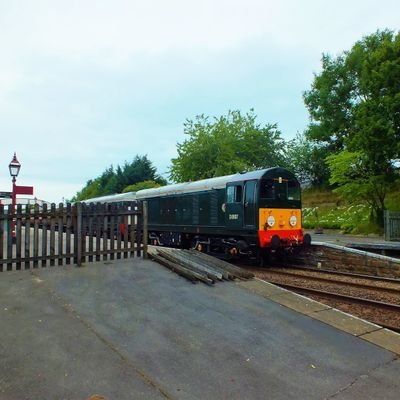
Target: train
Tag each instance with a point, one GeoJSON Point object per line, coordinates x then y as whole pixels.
{"type": "Point", "coordinates": [251, 214]}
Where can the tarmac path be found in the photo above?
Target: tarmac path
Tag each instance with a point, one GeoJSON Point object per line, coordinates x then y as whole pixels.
{"type": "Point", "coordinates": [131, 329]}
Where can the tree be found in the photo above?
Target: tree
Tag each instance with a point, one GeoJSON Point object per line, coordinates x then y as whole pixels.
{"type": "Point", "coordinates": [329, 104]}
{"type": "Point", "coordinates": [229, 144]}
{"type": "Point", "coordinates": [115, 180]}
{"type": "Point", "coordinates": [304, 160]}
{"type": "Point", "coordinates": [354, 181]}
{"type": "Point", "coordinates": [140, 186]}
{"type": "Point", "coordinates": [354, 105]}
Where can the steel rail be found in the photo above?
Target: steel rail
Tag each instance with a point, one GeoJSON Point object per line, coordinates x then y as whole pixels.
{"type": "Point", "coordinates": [336, 281]}
{"type": "Point", "coordinates": [352, 299]}
{"type": "Point", "coordinates": [342, 273]}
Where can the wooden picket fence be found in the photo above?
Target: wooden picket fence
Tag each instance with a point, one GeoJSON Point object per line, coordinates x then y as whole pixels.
{"type": "Point", "coordinates": [71, 234]}
{"type": "Point", "coordinates": [392, 225]}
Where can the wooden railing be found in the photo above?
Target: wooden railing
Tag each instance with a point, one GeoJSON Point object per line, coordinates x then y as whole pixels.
{"type": "Point", "coordinates": [392, 225]}
{"type": "Point", "coordinates": [34, 237]}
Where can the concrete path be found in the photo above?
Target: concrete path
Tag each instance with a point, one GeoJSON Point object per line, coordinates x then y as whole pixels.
{"type": "Point", "coordinates": [134, 330]}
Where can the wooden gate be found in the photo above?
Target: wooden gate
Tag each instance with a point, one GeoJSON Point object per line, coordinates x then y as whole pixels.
{"type": "Point", "coordinates": [34, 237]}
{"type": "Point", "coordinates": [392, 225]}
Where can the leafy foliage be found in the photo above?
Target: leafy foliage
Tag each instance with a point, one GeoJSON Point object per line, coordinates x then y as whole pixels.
{"type": "Point", "coordinates": [329, 104]}
{"type": "Point", "coordinates": [140, 186]}
{"type": "Point", "coordinates": [304, 160]}
{"type": "Point", "coordinates": [355, 181]}
{"type": "Point", "coordinates": [354, 104]}
{"type": "Point", "coordinates": [226, 145]}
{"type": "Point", "coordinates": [115, 180]}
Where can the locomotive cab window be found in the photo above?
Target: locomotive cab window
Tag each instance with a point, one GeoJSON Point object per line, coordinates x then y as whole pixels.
{"type": "Point", "coordinates": [234, 194]}
{"type": "Point", "coordinates": [267, 189]}
{"type": "Point", "coordinates": [293, 190]}
{"type": "Point", "coordinates": [281, 189]}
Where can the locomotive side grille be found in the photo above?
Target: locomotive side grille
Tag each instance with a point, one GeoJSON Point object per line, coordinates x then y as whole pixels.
{"type": "Point", "coordinates": [195, 210]}
{"type": "Point", "coordinates": [214, 208]}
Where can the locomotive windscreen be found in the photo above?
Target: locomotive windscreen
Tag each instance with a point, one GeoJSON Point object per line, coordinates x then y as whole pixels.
{"type": "Point", "coordinates": [278, 188]}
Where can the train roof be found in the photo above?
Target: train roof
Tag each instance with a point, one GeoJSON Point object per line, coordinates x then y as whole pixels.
{"type": "Point", "coordinates": [212, 183]}
{"type": "Point", "coordinates": [112, 198]}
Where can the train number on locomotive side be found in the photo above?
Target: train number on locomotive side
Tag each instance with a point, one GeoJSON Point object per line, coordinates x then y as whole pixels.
{"type": "Point", "coordinates": [233, 216]}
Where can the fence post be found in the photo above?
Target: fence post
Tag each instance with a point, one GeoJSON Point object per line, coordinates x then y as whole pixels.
{"type": "Point", "coordinates": [139, 231]}
{"type": "Point", "coordinates": [78, 234]}
{"type": "Point", "coordinates": [3, 223]}
{"type": "Point", "coordinates": [386, 224]}
{"type": "Point", "coordinates": [145, 228]}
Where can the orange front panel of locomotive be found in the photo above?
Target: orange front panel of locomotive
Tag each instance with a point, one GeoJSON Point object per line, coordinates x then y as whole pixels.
{"type": "Point", "coordinates": [282, 222]}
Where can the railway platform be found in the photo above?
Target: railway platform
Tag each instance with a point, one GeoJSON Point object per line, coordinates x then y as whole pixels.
{"type": "Point", "coordinates": [132, 329]}
{"type": "Point", "coordinates": [369, 243]}
{"type": "Point", "coordinates": [336, 237]}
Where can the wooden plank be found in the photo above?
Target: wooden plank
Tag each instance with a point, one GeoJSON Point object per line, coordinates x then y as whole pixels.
{"type": "Point", "coordinates": [132, 235]}
{"type": "Point", "coordinates": [36, 236]}
{"type": "Point", "coordinates": [68, 222]}
{"type": "Point", "coordinates": [78, 235]}
{"type": "Point", "coordinates": [84, 229]}
{"type": "Point", "coordinates": [52, 217]}
{"type": "Point", "coordinates": [105, 208]}
{"type": "Point", "coordinates": [139, 233]}
{"type": "Point", "coordinates": [18, 235]}
{"type": "Point", "coordinates": [174, 256]}
{"type": "Point", "coordinates": [60, 233]}
{"type": "Point", "coordinates": [90, 222]}
{"type": "Point", "coordinates": [2, 236]}
{"type": "Point", "coordinates": [44, 233]}
{"type": "Point", "coordinates": [99, 221]}
{"type": "Point", "coordinates": [9, 250]}
{"type": "Point", "coordinates": [27, 246]}
{"type": "Point", "coordinates": [112, 229]}
{"type": "Point", "coordinates": [126, 235]}
{"type": "Point", "coordinates": [237, 271]}
{"type": "Point", "coordinates": [119, 235]}
{"type": "Point", "coordinates": [145, 228]}
{"type": "Point", "coordinates": [180, 270]}
{"type": "Point", "coordinates": [191, 254]}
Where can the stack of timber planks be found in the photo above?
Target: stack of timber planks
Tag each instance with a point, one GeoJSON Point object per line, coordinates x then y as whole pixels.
{"type": "Point", "coordinates": [196, 266]}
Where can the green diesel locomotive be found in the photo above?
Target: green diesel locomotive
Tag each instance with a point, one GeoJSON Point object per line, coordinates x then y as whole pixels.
{"type": "Point", "coordinates": [252, 213]}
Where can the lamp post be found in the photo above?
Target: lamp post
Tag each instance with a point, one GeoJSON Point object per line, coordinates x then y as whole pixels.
{"type": "Point", "coordinates": [14, 168]}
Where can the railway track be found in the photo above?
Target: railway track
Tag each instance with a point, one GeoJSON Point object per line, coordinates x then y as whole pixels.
{"type": "Point", "coordinates": [371, 298]}
{"type": "Point", "coordinates": [392, 290]}
{"type": "Point", "coordinates": [338, 296]}
{"type": "Point", "coordinates": [338, 273]}
{"type": "Point", "coordinates": [348, 299]}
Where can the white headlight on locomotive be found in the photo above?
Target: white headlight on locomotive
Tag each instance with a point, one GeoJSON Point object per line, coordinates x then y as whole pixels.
{"type": "Point", "coordinates": [271, 220]}
{"type": "Point", "coordinates": [293, 220]}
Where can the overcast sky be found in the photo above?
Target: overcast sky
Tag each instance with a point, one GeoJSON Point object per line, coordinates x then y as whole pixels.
{"type": "Point", "coordinates": [89, 83]}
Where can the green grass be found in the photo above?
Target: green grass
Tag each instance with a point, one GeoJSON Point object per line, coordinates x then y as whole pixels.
{"type": "Point", "coordinates": [313, 197]}
{"type": "Point", "coordinates": [344, 218]}
{"type": "Point", "coordinates": [324, 209]}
